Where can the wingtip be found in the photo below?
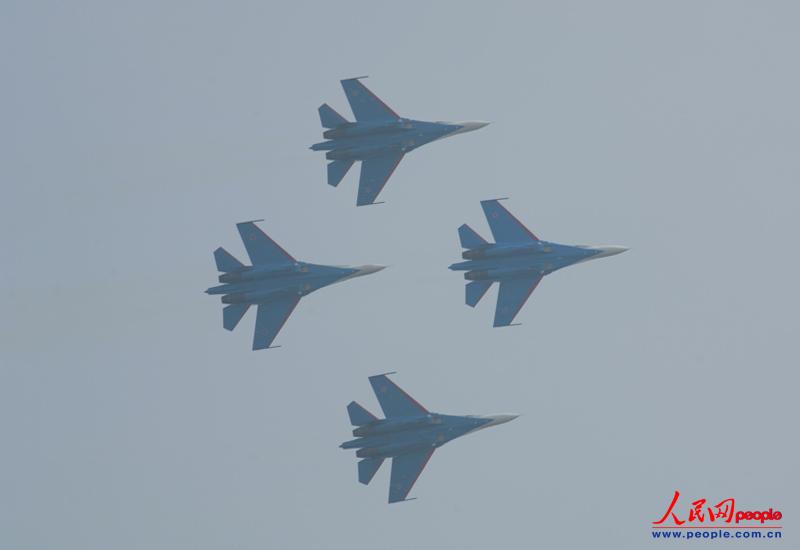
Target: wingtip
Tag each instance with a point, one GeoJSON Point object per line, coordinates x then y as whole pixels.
{"type": "Point", "coordinates": [267, 347]}
{"type": "Point", "coordinates": [402, 500]}
{"type": "Point", "coordinates": [355, 78]}
{"type": "Point", "coordinates": [497, 199]}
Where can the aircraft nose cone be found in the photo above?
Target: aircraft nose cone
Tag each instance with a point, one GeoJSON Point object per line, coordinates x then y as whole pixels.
{"type": "Point", "coordinates": [609, 251]}
{"type": "Point", "coordinates": [368, 269]}
{"type": "Point", "coordinates": [360, 270]}
{"type": "Point", "coordinates": [473, 125]}
{"type": "Point", "coordinates": [501, 418]}
{"type": "Point", "coordinates": [461, 127]}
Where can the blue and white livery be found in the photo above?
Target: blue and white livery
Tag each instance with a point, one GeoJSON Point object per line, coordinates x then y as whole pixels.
{"type": "Point", "coordinates": [409, 434]}
{"type": "Point", "coordinates": [379, 138]}
{"type": "Point", "coordinates": [517, 260]}
{"type": "Point", "coordinates": [274, 283]}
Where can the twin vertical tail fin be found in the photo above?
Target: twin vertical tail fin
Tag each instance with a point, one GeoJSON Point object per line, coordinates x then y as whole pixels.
{"type": "Point", "coordinates": [359, 415]}
{"type": "Point", "coordinates": [225, 261]}
{"type": "Point", "coordinates": [367, 469]}
{"type": "Point", "coordinates": [469, 238]}
{"type": "Point", "coordinates": [330, 118]}
{"type": "Point", "coordinates": [337, 170]}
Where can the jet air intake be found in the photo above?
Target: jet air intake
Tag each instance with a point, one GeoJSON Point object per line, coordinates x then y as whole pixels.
{"type": "Point", "coordinates": [352, 130]}
{"type": "Point", "coordinates": [250, 297]}
{"type": "Point", "coordinates": [493, 274]}
{"type": "Point", "coordinates": [390, 450]}
{"type": "Point", "coordinates": [496, 251]}
{"type": "Point", "coordinates": [361, 152]}
{"type": "Point", "coordinates": [389, 426]}
{"type": "Point", "coordinates": [260, 272]}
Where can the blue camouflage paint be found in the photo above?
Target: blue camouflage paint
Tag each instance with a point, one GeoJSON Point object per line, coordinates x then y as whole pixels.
{"type": "Point", "coordinates": [518, 260]}
{"type": "Point", "coordinates": [275, 283]}
{"type": "Point", "coordinates": [379, 138]}
{"type": "Point", "coordinates": [408, 435]}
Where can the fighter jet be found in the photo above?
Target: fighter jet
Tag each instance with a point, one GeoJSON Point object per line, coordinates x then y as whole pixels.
{"type": "Point", "coordinates": [275, 283]}
{"type": "Point", "coordinates": [517, 260]}
{"type": "Point", "coordinates": [379, 138]}
{"type": "Point", "coordinates": [408, 435]}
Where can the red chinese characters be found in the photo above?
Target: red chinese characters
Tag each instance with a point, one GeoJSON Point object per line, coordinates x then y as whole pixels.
{"type": "Point", "coordinates": [699, 512]}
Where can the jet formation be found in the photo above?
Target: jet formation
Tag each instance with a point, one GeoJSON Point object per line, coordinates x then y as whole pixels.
{"type": "Point", "coordinates": [518, 260]}
{"type": "Point", "coordinates": [379, 138]}
{"type": "Point", "coordinates": [274, 282]}
{"type": "Point", "coordinates": [409, 434]}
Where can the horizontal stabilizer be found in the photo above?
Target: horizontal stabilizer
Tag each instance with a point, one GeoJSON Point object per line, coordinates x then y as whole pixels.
{"type": "Point", "coordinates": [359, 415]}
{"type": "Point", "coordinates": [225, 261]}
{"type": "Point", "coordinates": [476, 290]}
{"type": "Point", "coordinates": [367, 469]}
{"type": "Point", "coordinates": [337, 170]}
{"type": "Point", "coordinates": [330, 118]}
{"type": "Point", "coordinates": [232, 314]}
{"type": "Point", "coordinates": [469, 238]}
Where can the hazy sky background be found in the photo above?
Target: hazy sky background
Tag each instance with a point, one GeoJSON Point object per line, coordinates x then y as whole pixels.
{"type": "Point", "coordinates": [134, 136]}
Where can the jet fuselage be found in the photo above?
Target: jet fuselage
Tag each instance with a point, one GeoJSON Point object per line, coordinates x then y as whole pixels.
{"type": "Point", "coordinates": [379, 138]}
{"type": "Point", "coordinates": [506, 261]}
{"type": "Point", "coordinates": [274, 282]}
{"type": "Point", "coordinates": [397, 436]}
{"type": "Point", "coordinates": [258, 284]}
{"type": "Point", "coordinates": [362, 140]}
{"type": "Point", "coordinates": [409, 434]}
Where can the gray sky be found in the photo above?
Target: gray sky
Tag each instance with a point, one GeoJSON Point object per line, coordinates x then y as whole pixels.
{"type": "Point", "coordinates": [135, 136]}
